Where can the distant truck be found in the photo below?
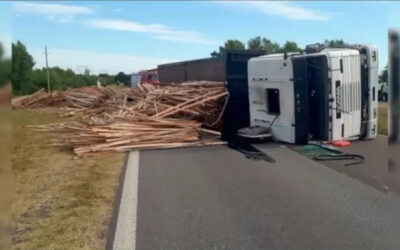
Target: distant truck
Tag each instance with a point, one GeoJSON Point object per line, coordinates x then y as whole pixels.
{"type": "Point", "coordinates": [145, 76]}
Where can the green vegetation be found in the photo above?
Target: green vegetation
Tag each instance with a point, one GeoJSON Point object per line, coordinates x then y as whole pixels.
{"type": "Point", "coordinates": [229, 44]}
{"type": "Point", "coordinates": [383, 77]}
{"type": "Point", "coordinates": [5, 68]}
{"type": "Point", "coordinates": [290, 47]}
{"type": "Point", "coordinates": [270, 47]}
{"type": "Point", "coordinates": [339, 43]}
{"type": "Point", "coordinates": [61, 79]}
{"type": "Point", "coordinates": [258, 43]}
{"type": "Point", "coordinates": [21, 69]}
{"type": "Point", "coordinates": [122, 78]}
{"type": "Point", "coordinates": [58, 202]}
{"type": "Point", "coordinates": [26, 80]}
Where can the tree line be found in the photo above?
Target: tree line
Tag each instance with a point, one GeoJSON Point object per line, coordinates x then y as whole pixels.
{"type": "Point", "coordinates": [268, 46]}
{"type": "Point", "coordinates": [26, 80]}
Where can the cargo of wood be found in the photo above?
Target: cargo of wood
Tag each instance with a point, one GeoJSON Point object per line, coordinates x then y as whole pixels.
{"type": "Point", "coordinates": [145, 117]}
{"type": "Point", "coordinates": [39, 99]}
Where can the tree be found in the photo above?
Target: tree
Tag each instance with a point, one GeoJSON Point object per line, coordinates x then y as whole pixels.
{"type": "Point", "coordinates": [255, 43]}
{"type": "Point", "coordinates": [61, 79]}
{"type": "Point", "coordinates": [232, 44]}
{"type": "Point", "coordinates": [90, 79]}
{"type": "Point", "coordinates": [106, 79]}
{"type": "Point", "coordinates": [290, 47]}
{"type": "Point", "coordinates": [339, 43]}
{"type": "Point", "coordinates": [27, 80]}
{"type": "Point", "coordinates": [270, 47]}
{"type": "Point", "coordinates": [39, 78]}
{"type": "Point", "coordinates": [1, 51]}
{"type": "Point", "coordinates": [75, 82]}
{"type": "Point", "coordinates": [69, 73]}
{"type": "Point", "coordinates": [383, 77]}
{"type": "Point", "coordinates": [56, 79]}
{"type": "Point", "coordinates": [5, 71]}
{"type": "Point", "coordinates": [258, 43]}
{"type": "Point", "coordinates": [21, 68]}
{"type": "Point", "coordinates": [123, 78]}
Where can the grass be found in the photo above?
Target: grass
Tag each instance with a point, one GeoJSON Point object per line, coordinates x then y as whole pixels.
{"type": "Point", "coordinates": [58, 202]}
{"type": "Point", "coordinates": [383, 118]}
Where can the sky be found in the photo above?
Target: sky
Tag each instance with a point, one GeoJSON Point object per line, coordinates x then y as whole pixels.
{"type": "Point", "coordinates": [128, 36]}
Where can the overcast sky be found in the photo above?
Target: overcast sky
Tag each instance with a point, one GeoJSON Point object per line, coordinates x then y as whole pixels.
{"type": "Point", "coordinates": [108, 37]}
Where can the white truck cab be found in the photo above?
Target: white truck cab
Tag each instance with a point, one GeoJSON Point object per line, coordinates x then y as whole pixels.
{"type": "Point", "coordinates": [327, 95]}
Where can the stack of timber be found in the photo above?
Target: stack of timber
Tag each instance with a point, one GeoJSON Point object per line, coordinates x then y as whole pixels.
{"type": "Point", "coordinates": [42, 98]}
{"type": "Point", "coordinates": [146, 117]}
{"type": "Point", "coordinates": [39, 99]}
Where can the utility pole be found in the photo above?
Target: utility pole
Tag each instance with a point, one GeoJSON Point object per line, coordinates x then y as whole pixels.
{"type": "Point", "coordinates": [47, 67]}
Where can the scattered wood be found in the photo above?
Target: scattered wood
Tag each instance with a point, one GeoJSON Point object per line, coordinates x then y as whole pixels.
{"type": "Point", "coordinates": [145, 117]}
{"type": "Point", "coordinates": [39, 99]}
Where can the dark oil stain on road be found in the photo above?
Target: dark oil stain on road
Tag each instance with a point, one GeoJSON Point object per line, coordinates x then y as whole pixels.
{"type": "Point", "coordinates": [249, 151]}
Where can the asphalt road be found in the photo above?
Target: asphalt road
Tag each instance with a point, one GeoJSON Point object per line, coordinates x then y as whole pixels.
{"type": "Point", "coordinates": [374, 171]}
{"type": "Point", "coordinates": [215, 198]}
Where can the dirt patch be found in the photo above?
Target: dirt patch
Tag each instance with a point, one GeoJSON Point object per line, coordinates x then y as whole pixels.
{"type": "Point", "coordinates": [383, 118]}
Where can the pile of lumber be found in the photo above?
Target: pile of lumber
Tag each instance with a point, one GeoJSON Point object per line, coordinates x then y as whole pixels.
{"type": "Point", "coordinates": [146, 117]}
{"type": "Point", "coordinates": [42, 98]}
{"type": "Point", "coordinates": [128, 134]}
{"type": "Point", "coordinates": [201, 102]}
{"type": "Point", "coordinates": [38, 99]}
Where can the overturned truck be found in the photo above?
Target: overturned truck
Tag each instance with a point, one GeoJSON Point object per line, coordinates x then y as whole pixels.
{"type": "Point", "coordinates": [324, 95]}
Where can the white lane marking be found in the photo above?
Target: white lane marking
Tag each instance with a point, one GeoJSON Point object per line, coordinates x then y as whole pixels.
{"type": "Point", "coordinates": [125, 232]}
